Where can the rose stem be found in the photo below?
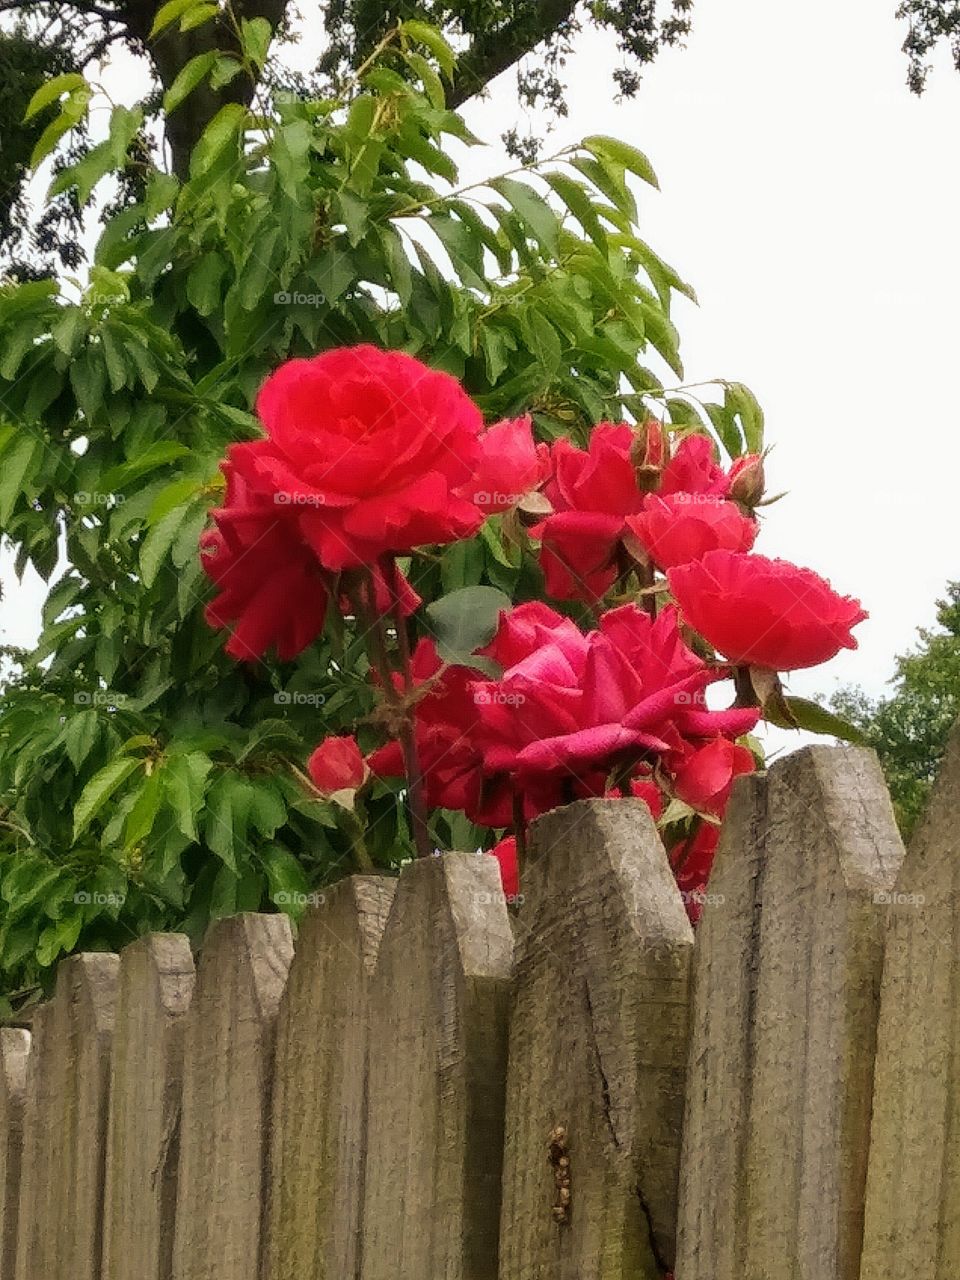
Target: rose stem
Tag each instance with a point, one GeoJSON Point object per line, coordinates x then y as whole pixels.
{"type": "Point", "coordinates": [520, 830]}
{"type": "Point", "coordinates": [408, 741]}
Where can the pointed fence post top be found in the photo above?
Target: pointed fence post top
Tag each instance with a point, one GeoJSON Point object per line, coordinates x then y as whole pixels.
{"type": "Point", "coordinates": [611, 850]}
{"type": "Point", "coordinates": [253, 944]}
{"type": "Point", "coordinates": [159, 965]}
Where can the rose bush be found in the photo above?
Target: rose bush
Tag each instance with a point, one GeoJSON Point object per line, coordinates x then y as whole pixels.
{"type": "Point", "coordinates": [502, 710]}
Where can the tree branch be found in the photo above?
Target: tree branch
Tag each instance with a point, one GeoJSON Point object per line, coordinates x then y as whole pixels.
{"type": "Point", "coordinates": [493, 53]}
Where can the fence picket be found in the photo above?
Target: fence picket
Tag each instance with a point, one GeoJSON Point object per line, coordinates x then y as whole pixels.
{"type": "Point", "coordinates": [14, 1053]}
{"type": "Point", "coordinates": [438, 1038]}
{"type": "Point", "coordinates": [155, 988]}
{"type": "Point", "coordinates": [597, 1050]}
{"type": "Point", "coordinates": [913, 1183]}
{"type": "Point", "coordinates": [228, 1066]}
{"type": "Point", "coordinates": [808, 959]}
{"type": "Point", "coordinates": [65, 1125]}
{"type": "Point", "coordinates": [320, 1086]}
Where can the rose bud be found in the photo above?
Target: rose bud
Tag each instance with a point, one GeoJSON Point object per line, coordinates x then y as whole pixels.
{"type": "Point", "coordinates": [648, 453]}
{"type": "Point", "coordinates": [338, 769]}
{"type": "Point", "coordinates": [747, 479]}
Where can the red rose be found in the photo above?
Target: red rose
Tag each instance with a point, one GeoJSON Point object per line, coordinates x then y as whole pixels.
{"type": "Point", "coordinates": [573, 705]}
{"type": "Point", "coordinates": [685, 526]}
{"type": "Point", "coordinates": [705, 778]}
{"type": "Point", "coordinates": [692, 860]}
{"type": "Point", "coordinates": [445, 718]}
{"type": "Point", "coordinates": [269, 583]}
{"type": "Point", "coordinates": [511, 465]}
{"type": "Point", "coordinates": [765, 613]}
{"type": "Point", "coordinates": [693, 469]}
{"type": "Point", "coordinates": [367, 448]}
{"type": "Point", "coordinates": [506, 854]}
{"type": "Point", "coordinates": [337, 765]}
{"type": "Point", "coordinates": [592, 491]}
{"type": "Point", "coordinates": [577, 554]}
{"type": "Point", "coordinates": [646, 789]}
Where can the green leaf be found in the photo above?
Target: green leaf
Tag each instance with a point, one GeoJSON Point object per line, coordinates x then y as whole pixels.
{"type": "Point", "coordinates": [158, 542]}
{"type": "Point", "coordinates": [144, 811]}
{"type": "Point", "coordinates": [68, 330]}
{"type": "Point", "coordinates": [623, 154]}
{"type": "Point", "coordinates": [741, 401]}
{"type": "Point", "coordinates": [225, 821]}
{"type": "Point", "coordinates": [52, 91]}
{"type": "Point", "coordinates": [432, 84]}
{"type": "Point", "coordinates": [99, 790]}
{"type": "Point", "coordinates": [184, 785]}
{"type": "Point", "coordinates": [189, 76]}
{"type": "Point", "coordinates": [170, 12]}
{"type": "Point", "coordinates": [225, 69]}
{"type": "Point", "coordinates": [424, 34]}
{"type": "Point", "coordinates": [286, 878]}
{"type": "Point", "coordinates": [125, 124]}
{"type": "Point", "coordinates": [153, 456]}
{"type": "Point", "coordinates": [17, 464]}
{"type": "Point", "coordinates": [255, 37]}
{"type": "Point", "coordinates": [80, 736]}
{"type": "Point", "coordinates": [198, 15]}
{"type": "Point", "coordinates": [177, 494]}
{"type": "Point", "coordinates": [222, 132]}
{"type": "Point", "coordinates": [536, 214]}
{"type": "Point", "coordinates": [466, 620]}
{"type": "Point", "coordinates": [267, 809]}
{"type": "Point", "coordinates": [816, 719]}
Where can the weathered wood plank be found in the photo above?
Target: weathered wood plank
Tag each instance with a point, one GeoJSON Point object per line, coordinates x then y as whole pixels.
{"type": "Point", "coordinates": [913, 1184]}
{"type": "Point", "coordinates": [800, 936]}
{"type": "Point", "coordinates": [718, 1084]}
{"type": "Point", "coordinates": [438, 1036]}
{"type": "Point", "coordinates": [155, 988]}
{"type": "Point", "coordinates": [320, 1086]}
{"type": "Point", "coordinates": [227, 1072]}
{"type": "Point", "coordinates": [598, 1049]}
{"type": "Point", "coordinates": [65, 1125]}
{"type": "Point", "coordinates": [14, 1052]}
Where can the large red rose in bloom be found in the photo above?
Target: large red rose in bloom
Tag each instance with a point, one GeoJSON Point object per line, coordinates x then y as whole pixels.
{"type": "Point", "coordinates": [685, 526]}
{"type": "Point", "coordinates": [765, 613]}
{"type": "Point", "coordinates": [368, 448]}
{"type": "Point", "coordinates": [592, 491]}
{"type": "Point", "coordinates": [571, 706]}
{"type": "Point", "coordinates": [270, 585]}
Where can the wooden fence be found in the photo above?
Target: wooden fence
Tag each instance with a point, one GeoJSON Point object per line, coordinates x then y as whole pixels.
{"type": "Point", "coordinates": [426, 1088]}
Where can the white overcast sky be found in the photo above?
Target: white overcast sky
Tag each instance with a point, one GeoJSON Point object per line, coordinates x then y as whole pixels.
{"type": "Point", "coordinates": [814, 204]}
